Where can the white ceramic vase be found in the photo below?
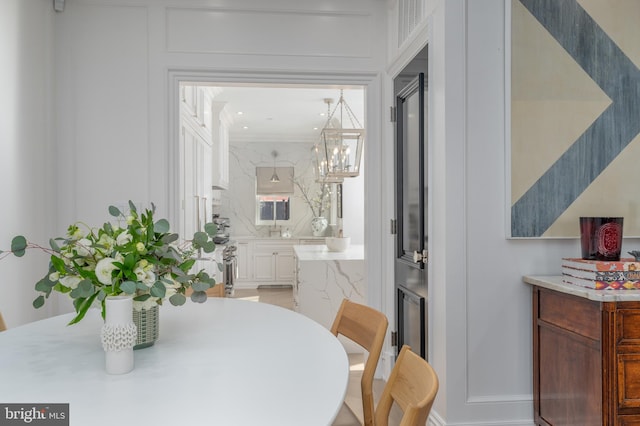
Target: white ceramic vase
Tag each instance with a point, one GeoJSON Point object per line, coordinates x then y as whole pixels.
{"type": "Point", "coordinates": [118, 334]}
{"type": "Point", "coordinates": [319, 226]}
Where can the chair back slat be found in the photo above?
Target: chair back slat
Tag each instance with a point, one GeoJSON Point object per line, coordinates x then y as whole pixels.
{"type": "Point", "coordinates": [366, 327]}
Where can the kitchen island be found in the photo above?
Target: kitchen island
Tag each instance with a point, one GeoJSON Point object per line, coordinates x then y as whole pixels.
{"type": "Point", "coordinates": [324, 278]}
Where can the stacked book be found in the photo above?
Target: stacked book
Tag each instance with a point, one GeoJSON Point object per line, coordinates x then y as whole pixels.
{"type": "Point", "coordinates": [602, 275]}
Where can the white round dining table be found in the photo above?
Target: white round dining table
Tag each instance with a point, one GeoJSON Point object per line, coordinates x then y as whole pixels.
{"type": "Point", "coordinates": [223, 362]}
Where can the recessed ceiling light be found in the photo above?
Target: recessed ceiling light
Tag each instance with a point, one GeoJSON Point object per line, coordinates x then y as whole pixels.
{"type": "Point", "coordinates": [240, 112]}
{"type": "Point", "coordinates": [245, 127]}
{"type": "Point", "coordinates": [322, 114]}
{"type": "Point", "coordinates": [315, 128]}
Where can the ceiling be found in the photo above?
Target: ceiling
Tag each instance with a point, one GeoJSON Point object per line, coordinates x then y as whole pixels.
{"type": "Point", "coordinates": [269, 113]}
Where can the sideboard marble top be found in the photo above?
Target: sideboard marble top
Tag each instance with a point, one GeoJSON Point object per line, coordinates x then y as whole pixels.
{"type": "Point", "coordinates": [321, 252]}
{"type": "Point", "coordinates": [554, 282]}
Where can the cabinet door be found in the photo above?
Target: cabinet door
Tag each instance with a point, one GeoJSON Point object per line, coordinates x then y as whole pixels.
{"type": "Point", "coordinates": [220, 137]}
{"type": "Point", "coordinates": [264, 266]}
{"type": "Point", "coordinates": [189, 187]}
{"type": "Point", "coordinates": [242, 257]}
{"type": "Point", "coordinates": [285, 267]}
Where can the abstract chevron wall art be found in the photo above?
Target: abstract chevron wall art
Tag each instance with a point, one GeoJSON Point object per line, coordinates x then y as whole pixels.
{"type": "Point", "coordinates": [575, 115]}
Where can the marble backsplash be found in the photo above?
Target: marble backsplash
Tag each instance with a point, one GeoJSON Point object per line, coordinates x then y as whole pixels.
{"type": "Point", "coordinates": [239, 201]}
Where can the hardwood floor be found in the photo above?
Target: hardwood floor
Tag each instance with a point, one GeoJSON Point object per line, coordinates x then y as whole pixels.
{"type": "Point", "coordinates": [351, 412]}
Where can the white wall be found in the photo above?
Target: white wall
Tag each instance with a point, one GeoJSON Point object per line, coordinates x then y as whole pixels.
{"type": "Point", "coordinates": [239, 201]}
{"type": "Point", "coordinates": [27, 157]}
{"type": "Point", "coordinates": [480, 309]}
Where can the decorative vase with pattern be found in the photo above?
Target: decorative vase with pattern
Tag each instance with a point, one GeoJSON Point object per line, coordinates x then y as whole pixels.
{"type": "Point", "coordinates": [147, 322]}
{"type": "Point", "coordinates": [319, 226]}
{"type": "Point", "coordinates": [118, 334]}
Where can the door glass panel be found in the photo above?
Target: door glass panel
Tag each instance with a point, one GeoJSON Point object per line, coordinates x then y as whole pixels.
{"type": "Point", "coordinates": [411, 170]}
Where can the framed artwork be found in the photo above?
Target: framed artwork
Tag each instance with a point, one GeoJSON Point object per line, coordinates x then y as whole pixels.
{"type": "Point", "coordinates": [574, 141]}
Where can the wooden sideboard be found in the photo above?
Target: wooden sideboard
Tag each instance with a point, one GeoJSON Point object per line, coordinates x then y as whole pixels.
{"type": "Point", "coordinates": [586, 355]}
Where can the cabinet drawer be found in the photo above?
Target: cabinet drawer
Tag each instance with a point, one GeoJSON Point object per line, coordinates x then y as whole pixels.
{"type": "Point", "coordinates": [581, 316]}
{"type": "Point", "coordinates": [628, 421]}
{"type": "Point", "coordinates": [629, 380]}
{"type": "Point", "coordinates": [628, 327]}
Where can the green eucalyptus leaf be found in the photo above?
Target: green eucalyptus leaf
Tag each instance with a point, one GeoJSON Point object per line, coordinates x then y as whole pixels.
{"type": "Point", "coordinates": [44, 285]}
{"type": "Point", "coordinates": [161, 226]}
{"type": "Point", "coordinates": [209, 247]}
{"type": "Point", "coordinates": [170, 238]}
{"type": "Point", "coordinates": [18, 245]}
{"type": "Point", "coordinates": [141, 286]}
{"type": "Point", "coordinates": [183, 279]}
{"type": "Point", "coordinates": [54, 246]}
{"type": "Point", "coordinates": [114, 211]}
{"type": "Point", "coordinates": [142, 297]}
{"type": "Point", "coordinates": [200, 286]}
{"type": "Point", "coordinates": [211, 228]}
{"type": "Point", "coordinates": [84, 290]}
{"type": "Point", "coordinates": [158, 290]}
{"type": "Point", "coordinates": [132, 206]}
{"type": "Point", "coordinates": [38, 302]}
{"type": "Point", "coordinates": [199, 296]}
{"type": "Point", "coordinates": [177, 299]}
{"type": "Point", "coordinates": [200, 238]}
{"type": "Point", "coordinates": [129, 287]}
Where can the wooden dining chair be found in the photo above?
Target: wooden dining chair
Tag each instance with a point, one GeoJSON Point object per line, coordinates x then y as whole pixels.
{"type": "Point", "coordinates": [3, 326]}
{"type": "Point", "coordinates": [413, 385]}
{"type": "Point", "coordinates": [366, 327]}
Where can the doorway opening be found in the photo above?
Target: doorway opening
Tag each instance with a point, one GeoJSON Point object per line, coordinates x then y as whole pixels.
{"type": "Point", "coordinates": [229, 132]}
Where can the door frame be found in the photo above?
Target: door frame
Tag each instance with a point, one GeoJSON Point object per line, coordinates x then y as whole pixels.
{"type": "Point", "coordinates": [408, 54]}
{"type": "Point", "coordinates": [375, 158]}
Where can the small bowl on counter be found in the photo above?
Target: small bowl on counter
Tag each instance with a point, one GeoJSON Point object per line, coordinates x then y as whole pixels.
{"type": "Point", "coordinates": [337, 244]}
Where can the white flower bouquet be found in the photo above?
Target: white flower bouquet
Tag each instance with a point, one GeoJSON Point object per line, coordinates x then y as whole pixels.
{"type": "Point", "coordinates": [136, 256]}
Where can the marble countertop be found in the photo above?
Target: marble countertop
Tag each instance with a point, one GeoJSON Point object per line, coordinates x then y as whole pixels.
{"type": "Point", "coordinates": [554, 282]}
{"type": "Point", "coordinates": [321, 252]}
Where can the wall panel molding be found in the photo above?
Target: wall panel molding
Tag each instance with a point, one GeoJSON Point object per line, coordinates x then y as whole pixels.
{"type": "Point", "coordinates": [290, 32]}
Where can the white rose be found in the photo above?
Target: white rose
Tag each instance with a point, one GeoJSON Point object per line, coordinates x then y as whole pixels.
{"type": "Point", "coordinates": [104, 268]}
{"type": "Point", "coordinates": [149, 279]}
{"type": "Point", "coordinates": [107, 242]}
{"type": "Point", "coordinates": [70, 281]}
{"type": "Point", "coordinates": [83, 247]}
{"type": "Point", "coordinates": [124, 238]}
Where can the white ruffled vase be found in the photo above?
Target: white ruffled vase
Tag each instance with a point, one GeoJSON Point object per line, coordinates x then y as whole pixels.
{"type": "Point", "coordinates": [118, 334]}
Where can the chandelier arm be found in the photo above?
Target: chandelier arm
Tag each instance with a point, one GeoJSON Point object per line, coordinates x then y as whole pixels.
{"type": "Point", "coordinates": [352, 116]}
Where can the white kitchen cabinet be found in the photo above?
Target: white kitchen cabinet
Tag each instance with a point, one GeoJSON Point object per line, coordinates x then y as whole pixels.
{"type": "Point", "coordinates": [221, 121]}
{"type": "Point", "coordinates": [273, 262]}
{"type": "Point", "coordinates": [195, 190]}
{"type": "Point", "coordinates": [195, 161]}
{"type": "Point", "coordinates": [242, 259]}
{"type": "Point", "coordinates": [265, 262]}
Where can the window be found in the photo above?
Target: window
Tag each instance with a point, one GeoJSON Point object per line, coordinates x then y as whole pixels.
{"type": "Point", "coordinates": [272, 208]}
